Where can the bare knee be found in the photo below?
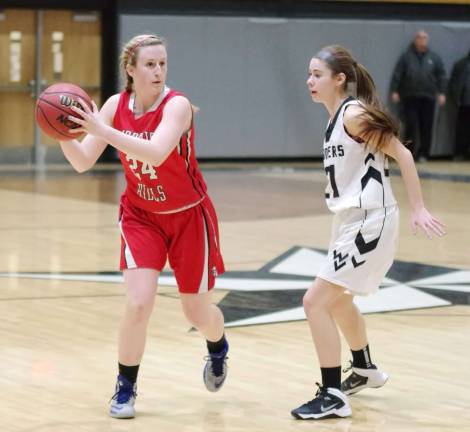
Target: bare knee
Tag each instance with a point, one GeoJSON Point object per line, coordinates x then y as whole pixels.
{"type": "Point", "coordinates": [312, 303]}
{"type": "Point", "coordinates": [320, 296]}
{"type": "Point", "coordinates": [197, 317]}
{"type": "Point", "coordinates": [138, 310]}
{"type": "Point", "coordinates": [198, 309]}
{"type": "Point", "coordinates": [342, 305]}
{"type": "Point", "coordinates": [141, 289]}
{"type": "Point", "coordinates": [308, 302]}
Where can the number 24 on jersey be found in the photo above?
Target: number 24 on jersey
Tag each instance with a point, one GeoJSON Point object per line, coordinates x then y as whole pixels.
{"type": "Point", "coordinates": [145, 169]}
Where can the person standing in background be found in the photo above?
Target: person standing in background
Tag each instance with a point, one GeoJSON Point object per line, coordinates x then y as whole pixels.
{"type": "Point", "coordinates": [459, 92]}
{"type": "Point", "coordinates": [418, 79]}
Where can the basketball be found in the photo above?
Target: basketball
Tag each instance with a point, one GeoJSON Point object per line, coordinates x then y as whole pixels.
{"type": "Point", "coordinates": [53, 107]}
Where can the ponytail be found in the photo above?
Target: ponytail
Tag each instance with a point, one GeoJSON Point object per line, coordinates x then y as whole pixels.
{"type": "Point", "coordinates": [379, 126]}
{"type": "Point", "coordinates": [365, 86]}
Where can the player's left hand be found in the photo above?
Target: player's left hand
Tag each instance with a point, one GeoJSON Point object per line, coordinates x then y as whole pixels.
{"type": "Point", "coordinates": [427, 222]}
{"type": "Point", "coordinates": [89, 120]}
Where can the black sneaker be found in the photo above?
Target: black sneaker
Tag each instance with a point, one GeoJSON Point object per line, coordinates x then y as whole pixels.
{"type": "Point", "coordinates": [361, 379]}
{"type": "Point", "coordinates": [328, 403]}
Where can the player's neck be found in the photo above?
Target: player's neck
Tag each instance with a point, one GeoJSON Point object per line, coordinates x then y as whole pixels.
{"type": "Point", "coordinates": [333, 105]}
{"type": "Point", "coordinates": [143, 104]}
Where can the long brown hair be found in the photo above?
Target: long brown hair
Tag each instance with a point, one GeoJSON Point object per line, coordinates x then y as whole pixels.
{"type": "Point", "coordinates": [378, 125]}
{"type": "Point", "coordinates": [130, 53]}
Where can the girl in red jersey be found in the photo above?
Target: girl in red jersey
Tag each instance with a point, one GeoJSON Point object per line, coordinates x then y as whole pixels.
{"type": "Point", "coordinates": [165, 211]}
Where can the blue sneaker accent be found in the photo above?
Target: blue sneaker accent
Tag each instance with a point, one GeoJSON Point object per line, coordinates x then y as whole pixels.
{"type": "Point", "coordinates": [215, 370]}
{"type": "Point", "coordinates": [122, 402]}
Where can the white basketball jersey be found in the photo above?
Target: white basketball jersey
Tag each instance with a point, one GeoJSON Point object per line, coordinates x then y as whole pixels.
{"type": "Point", "coordinates": [358, 176]}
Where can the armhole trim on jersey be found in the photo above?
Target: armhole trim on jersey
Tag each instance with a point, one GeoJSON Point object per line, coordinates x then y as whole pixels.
{"type": "Point", "coordinates": [357, 140]}
{"type": "Point", "coordinates": [122, 95]}
{"type": "Point", "coordinates": [171, 95]}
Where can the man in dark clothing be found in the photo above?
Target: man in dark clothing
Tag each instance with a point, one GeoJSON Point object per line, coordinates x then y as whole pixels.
{"type": "Point", "coordinates": [459, 91]}
{"type": "Point", "coordinates": [419, 77]}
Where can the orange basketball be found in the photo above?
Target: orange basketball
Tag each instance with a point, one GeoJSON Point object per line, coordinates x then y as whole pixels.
{"type": "Point", "coordinates": [54, 106]}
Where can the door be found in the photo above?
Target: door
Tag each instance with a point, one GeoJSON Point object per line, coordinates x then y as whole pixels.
{"type": "Point", "coordinates": [42, 47]}
{"type": "Point", "coordinates": [17, 72]}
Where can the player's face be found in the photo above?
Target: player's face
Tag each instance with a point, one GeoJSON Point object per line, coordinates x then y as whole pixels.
{"type": "Point", "coordinates": [149, 74]}
{"type": "Point", "coordinates": [320, 82]}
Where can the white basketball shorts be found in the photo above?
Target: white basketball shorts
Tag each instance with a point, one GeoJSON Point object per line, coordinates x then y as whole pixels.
{"type": "Point", "coordinates": [362, 248]}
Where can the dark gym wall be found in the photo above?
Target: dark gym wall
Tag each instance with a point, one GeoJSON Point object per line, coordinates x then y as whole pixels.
{"type": "Point", "coordinates": [248, 74]}
{"type": "Point", "coordinates": [263, 110]}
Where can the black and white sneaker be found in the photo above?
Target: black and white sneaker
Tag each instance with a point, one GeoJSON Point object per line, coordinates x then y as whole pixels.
{"type": "Point", "coordinates": [361, 379]}
{"type": "Point", "coordinates": [328, 403]}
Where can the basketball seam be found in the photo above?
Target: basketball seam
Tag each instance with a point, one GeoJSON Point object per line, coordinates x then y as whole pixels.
{"type": "Point", "coordinates": [50, 124]}
{"type": "Point", "coordinates": [55, 106]}
{"type": "Point", "coordinates": [67, 92]}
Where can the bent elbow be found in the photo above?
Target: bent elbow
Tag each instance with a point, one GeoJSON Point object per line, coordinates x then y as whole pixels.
{"type": "Point", "coordinates": [404, 156]}
{"type": "Point", "coordinates": [81, 168]}
{"type": "Point", "coordinates": [407, 153]}
{"type": "Point", "coordinates": [157, 161]}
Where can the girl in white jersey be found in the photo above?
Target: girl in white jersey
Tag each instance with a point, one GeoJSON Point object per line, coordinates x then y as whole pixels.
{"type": "Point", "coordinates": [359, 138]}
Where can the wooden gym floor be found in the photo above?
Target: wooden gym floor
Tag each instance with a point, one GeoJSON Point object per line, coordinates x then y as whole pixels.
{"type": "Point", "coordinates": [58, 335]}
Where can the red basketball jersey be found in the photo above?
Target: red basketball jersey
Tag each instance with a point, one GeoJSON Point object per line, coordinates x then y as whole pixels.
{"type": "Point", "coordinates": [176, 183]}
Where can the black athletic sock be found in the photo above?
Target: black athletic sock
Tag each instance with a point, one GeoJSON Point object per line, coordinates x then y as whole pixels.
{"type": "Point", "coordinates": [130, 372]}
{"type": "Point", "coordinates": [361, 358]}
{"type": "Point", "coordinates": [216, 347]}
{"type": "Point", "coordinates": [331, 377]}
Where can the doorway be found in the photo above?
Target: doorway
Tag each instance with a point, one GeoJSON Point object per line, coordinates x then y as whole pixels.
{"type": "Point", "coordinates": [39, 48]}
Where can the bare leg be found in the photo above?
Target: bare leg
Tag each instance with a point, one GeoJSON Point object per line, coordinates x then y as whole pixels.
{"type": "Point", "coordinates": [209, 320]}
{"type": "Point", "coordinates": [329, 401]}
{"type": "Point", "coordinates": [204, 315]}
{"type": "Point", "coordinates": [317, 302]}
{"type": "Point", "coordinates": [141, 290]}
{"type": "Point", "coordinates": [350, 321]}
{"type": "Point", "coordinates": [352, 325]}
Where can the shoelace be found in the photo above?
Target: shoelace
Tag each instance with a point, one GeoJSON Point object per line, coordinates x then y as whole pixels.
{"type": "Point", "coordinates": [218, 362]}
{"type": "Point", "coordinates": [320, 393]}
{"type": "Point", "coordinates": [348, 368]}
{"type": "Point", "coordinates": [122, 394]}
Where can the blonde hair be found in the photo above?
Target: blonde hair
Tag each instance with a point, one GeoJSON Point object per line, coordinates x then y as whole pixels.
{"type": "Point", "coordinates": [130, 53]}
{"type": "Point", "coordinates": [379, 126]}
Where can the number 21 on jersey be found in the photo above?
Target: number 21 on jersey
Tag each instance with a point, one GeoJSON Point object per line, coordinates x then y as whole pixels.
{"type": "Point", "coordinates": [330, 172]}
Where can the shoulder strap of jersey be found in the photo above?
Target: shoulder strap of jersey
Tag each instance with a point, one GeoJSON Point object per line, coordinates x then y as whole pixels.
{"type": "Point", "coordinates": [123, 99]}
{"type": "Point", "coordinates": [331, 126]}
{"type": "Point", "coordinates": [172, 93]}
{"type": "Point", "coordinates": [123, 102]}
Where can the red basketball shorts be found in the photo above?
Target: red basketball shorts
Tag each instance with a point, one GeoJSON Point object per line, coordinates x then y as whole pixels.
{"type": "Point", "coordinates": [189, 239]}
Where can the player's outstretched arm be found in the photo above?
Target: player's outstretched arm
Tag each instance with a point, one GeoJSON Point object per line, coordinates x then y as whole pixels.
{"type": "Point", "coordinates": [176, 120]}
{"type": "Point", "coordinates": [83, 155]}
{"type": "Point", "coordinates": [420, 216]}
